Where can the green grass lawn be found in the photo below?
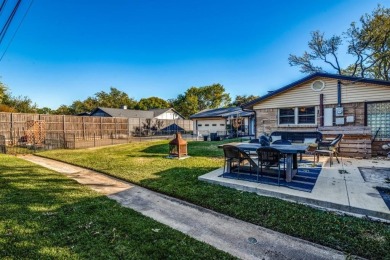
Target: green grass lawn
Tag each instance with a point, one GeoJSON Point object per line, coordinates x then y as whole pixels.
{"type": "Point", "coordinates": [146, 164]}
{"type": "Point", "coordinates": [44, 215]}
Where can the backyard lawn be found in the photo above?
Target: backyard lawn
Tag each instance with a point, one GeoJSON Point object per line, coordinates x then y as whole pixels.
{"type": "Point", "coordinates": [44, 215]}
{"type": "Point", "coordinates": [146, 164]}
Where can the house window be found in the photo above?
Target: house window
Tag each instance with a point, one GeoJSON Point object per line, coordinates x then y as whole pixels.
{"type": "Point", "coordinates": [199, 124]}
{"type": "Point", "coordinates": [306, 115]}
{"type": "Point", "coordinates": [297, 116]}
{"type": "Point", "coordinates": [287, 116]}
{"type": "Point", "coordinates": [378, 117]}
{"type": "Point", "coordinates": [214, 124]}
{"type": "Point", "coordinates": [222, 124]}
{"type": "Point", "coordinates": [206, 125]}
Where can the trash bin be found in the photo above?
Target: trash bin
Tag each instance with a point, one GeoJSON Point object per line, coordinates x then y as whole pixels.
{"type": "Point", "coordinates": [205, 137]}
{"type": "Point", "coordinates": [213, 136]}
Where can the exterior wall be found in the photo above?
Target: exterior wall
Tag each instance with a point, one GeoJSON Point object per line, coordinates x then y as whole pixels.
{"type": "Point", "coordinates": [169, 115]}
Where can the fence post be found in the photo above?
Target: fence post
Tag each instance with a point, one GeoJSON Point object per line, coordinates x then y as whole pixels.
{"type": "Point", "coordinates": [94, 139]}
{"type": "Point", "coordinates": [74, 140]}
{"type": "Point", "coordinates": [83, 123]}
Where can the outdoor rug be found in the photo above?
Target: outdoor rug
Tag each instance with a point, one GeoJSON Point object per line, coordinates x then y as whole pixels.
{"type": "Point", "coordinates": [304, 180]}
{"type": "Point", "coordinates": [385, 194]}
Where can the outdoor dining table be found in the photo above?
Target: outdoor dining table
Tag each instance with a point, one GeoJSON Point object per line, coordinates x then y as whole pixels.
{"type": "Point", "coordinates": [291, 152]}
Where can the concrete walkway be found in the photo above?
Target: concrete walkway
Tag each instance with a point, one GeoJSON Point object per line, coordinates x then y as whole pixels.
{"type": "Point", "coordinates": [240, 239]}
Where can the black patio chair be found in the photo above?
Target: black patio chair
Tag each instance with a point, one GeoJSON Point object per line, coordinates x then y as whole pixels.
{"type": "Point", "coordinates": [264, 141]}
{"type": "Point", "coordinates": [234, 155]}
{"type": "Point", "coordinates": [282, 142]}
{"type": "Point", "coordinates": [268, 157]}
{"type": "Point", "coordinates": [329, 148]}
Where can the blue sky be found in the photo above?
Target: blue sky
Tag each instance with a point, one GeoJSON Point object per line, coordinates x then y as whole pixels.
{"type": "Point", "coordinates": [69, 50]}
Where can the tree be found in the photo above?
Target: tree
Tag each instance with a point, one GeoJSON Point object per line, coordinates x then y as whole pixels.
{"type": "Point", "coordinates": [240, 100]}
{"type": "Point", "coordinates": [21, 104]}
{"type": "Point", "coordinates": [196, 99]}
{"type": "Point", "coordinates": [151, 103]}
{"type": "Point", "coordinates": [114, 99]}
{"type": "Point", "coordinates": [45, 110]}
{"type": "Point", "coordinates": [3, 91]}
{"type": "Point", "coordinates": [369, 45]}
{"type": "Point", "coordinates": [64, 110]}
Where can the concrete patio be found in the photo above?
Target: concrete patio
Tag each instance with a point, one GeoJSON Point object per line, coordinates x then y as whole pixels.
{"type": "Point", "coordinates": [347, 191]}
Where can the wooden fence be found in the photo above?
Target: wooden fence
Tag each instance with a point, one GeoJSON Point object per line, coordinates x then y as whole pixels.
{"type": "Point", "coordinates": [63, 130]}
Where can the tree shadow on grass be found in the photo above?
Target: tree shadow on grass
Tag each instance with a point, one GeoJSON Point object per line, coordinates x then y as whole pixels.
{"type": "Point", "coordinates": [45, 215]}
{"type": "Point", "coordinates": [199, 149]}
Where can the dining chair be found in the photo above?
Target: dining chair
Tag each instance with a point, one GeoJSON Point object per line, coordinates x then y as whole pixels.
{"type": "Point", "coordinates": [268, 157]}
{"type": "Point", "coordinates": [234, 154]}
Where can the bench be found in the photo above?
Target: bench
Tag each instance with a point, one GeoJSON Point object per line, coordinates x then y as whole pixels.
{"type": "Point", "coordinates": [297, 137]}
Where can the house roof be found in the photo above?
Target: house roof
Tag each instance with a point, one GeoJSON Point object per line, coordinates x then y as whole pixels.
{"type": "Point", "coordinates": [313, 76]}
{"type": "Point", "coordinates": [221, 112]}
{"type": "Point", "coordinates": [118, 112]}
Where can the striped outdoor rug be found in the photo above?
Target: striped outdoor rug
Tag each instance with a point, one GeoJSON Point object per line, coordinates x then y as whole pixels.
{"type": "Point", "coordinates": [304, 180]}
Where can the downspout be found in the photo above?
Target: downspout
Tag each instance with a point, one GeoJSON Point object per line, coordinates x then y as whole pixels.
{"type": "Point", "coordinates": [321, 110]}
{"type": "Point", "coordinates": [339, 93]}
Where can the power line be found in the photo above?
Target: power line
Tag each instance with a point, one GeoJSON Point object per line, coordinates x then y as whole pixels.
{"type": "Point", "coordinates": [13, 36]}
{"type": "Point", "coordinates": [2, 5]}
{"type": "Point", "coordinates": [8, 22]}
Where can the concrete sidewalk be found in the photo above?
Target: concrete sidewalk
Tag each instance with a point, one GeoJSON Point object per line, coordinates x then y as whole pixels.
{"type": "Point", "coordinates": [240, 239]}
{"type": "Point", "coordinates": [347, 192]}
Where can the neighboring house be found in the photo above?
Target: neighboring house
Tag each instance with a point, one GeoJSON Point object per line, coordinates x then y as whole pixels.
{"type": "Point", "coordinates": [357, 107]}
{"type": "Point", "coordinates": [165, 113]}
{"type": "Point", "coordinates": [220, 121]}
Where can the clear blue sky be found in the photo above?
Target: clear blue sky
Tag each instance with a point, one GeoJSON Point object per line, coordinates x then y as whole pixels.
{"type": "Point", "coordinates": [69, 50]}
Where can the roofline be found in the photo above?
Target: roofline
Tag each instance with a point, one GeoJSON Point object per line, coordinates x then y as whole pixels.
{"type": "Point", "coordinates": [312, 76]}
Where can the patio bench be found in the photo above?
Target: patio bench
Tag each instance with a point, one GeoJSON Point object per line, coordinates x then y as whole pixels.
{"type": "Point", "coordinates": [297, 136]}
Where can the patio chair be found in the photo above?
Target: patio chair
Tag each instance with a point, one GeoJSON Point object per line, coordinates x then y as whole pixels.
{"type": "Point", "coordinates": [254, 141]}
{"type": "Point", "coordinates": [234, 155]}
{"type": "Point", "coordinates": [329, 148]}
{"type": "Point", "coordinates": [264, 141]}
{"type": "Point", "coordinates": [268, 157]}
{"type": "Point", "coordinates": [282, 142]}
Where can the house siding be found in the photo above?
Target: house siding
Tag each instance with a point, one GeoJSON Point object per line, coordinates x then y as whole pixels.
{"type": "Point", "coordinates": [303, 95]}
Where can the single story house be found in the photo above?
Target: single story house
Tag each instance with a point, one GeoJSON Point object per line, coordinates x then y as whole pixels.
{"type": "Point", "coordinates": [164, 113]}
{"type": "Point", "coordinates": [223, 121]}
{"type": "Point", "coordinates": [359, 108]}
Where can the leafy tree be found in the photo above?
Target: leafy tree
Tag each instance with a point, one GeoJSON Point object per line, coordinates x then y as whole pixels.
{"type": "Point", "coordinates": [196, 99]}
{"type": "Point", "coordinates": [64, 110]}
{"type": "Point", "coordinates": [368, 43]}
{"type": "Point", "coordinates": [3, 91]}
{"type": "Point", "coordinates": [45, 110]}
{"type": "Point", "coordinates": [5, 108]}
{"type": "Point", "coordinates": [151, 103]}
{"type": "Point", "coordinates": [240, 100]}
{"type": "Point", "coordinates": [21, 104]}
{"type": "Point", "coordinates": [114, 99]}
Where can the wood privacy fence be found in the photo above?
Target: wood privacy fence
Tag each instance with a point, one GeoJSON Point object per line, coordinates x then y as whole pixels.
{"type": "Point", "coordinates": [64, 131]}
